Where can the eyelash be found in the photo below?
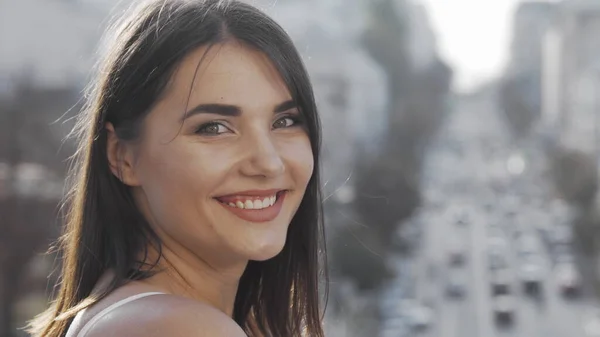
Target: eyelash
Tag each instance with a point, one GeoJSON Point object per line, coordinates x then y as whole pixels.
{"type": "Point", "coordinates": [296, 120]}
{"type": "Point", "coordinates": [201, 130]}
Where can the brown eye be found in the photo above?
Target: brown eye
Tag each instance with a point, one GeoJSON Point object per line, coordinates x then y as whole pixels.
{"type": "Point", "coordinates": [212, 129]}
{"type": "Point", "coordinates": [284, 122]}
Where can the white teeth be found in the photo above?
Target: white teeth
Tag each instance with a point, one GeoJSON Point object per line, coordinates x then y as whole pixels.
{"type": "Point", "coordinates": [254, 204]}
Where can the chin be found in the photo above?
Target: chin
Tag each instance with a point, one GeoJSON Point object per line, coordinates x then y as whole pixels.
{"type": "Point", "coordinates": [266, 251]}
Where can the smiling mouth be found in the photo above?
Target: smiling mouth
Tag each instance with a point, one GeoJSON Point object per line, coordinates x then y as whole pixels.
{"type": "Point", "coordinates": [248, 202]}
{"type": "Point", "coordinates": [257, 209]}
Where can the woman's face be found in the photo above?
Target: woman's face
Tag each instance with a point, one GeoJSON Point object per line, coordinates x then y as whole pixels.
{"type": "Point", "coordinates": [224, 179]}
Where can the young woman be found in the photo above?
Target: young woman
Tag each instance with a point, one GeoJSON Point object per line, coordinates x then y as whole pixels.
{"type": "Point", "coordinates": [195, 206]}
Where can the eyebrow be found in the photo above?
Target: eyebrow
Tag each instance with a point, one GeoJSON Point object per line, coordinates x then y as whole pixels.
{"type": "Point", "coordinates": [233, 110]}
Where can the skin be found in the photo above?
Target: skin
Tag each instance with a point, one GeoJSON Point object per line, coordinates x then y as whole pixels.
{"type": "Point", "coordinates": [178, 168]}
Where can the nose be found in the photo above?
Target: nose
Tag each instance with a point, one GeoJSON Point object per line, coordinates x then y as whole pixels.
{"type": "Point", "coordinates": [263, 158]}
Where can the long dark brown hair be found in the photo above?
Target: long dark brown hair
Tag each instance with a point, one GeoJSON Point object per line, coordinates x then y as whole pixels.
{"type": "Point", "coordinates": [105, 231]}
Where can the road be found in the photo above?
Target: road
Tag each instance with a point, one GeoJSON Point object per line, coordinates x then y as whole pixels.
{"type": "Point", "coordinates": [467, 161]}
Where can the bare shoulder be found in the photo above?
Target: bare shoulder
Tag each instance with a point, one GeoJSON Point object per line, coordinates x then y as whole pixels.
{"type": "Point", "coordinates": [165, 315]}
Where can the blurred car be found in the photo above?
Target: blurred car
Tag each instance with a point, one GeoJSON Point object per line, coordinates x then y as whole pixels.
{"type": "Point", "coordinates": [459, 214]}
{"type": "Point", "coordinates": [420, 317]}
{"type": "Point", "coordinates": [519, 231]}
{"type": "Point", "coordinates": [456, 285]}
{"type": "Point", "coordinates": [504, 308]}
{"type": "Point", "coordinates": [497, 253]}
{"type": "Point", "coordinates": [528, 243]}
{"type": "Point", "coordinates": [511, 205]}
{"type": "Point", "coordinates": [497, 260]}
{"type": "Point", "coordinates": [489, 204]}
{"type": "Point", "coordinates": [568, 278]}
{"type": "Point", "coordinates": [532, 276]}
{"type": "Point", "coordinates": [395, 326]}
{"type": "Point", "coordinates": [500, 281]}
{"type": "Point", "coordinates": [563, 253]}
{"type": "Point", "coordinates": [457, 254]}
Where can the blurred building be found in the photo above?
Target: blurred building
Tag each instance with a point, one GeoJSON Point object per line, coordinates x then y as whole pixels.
{"type": "Point", "coordinates": [571, 75]}
{"type": "Point", "coordinates": [520, 90]}
{"type": "Point", "coordinates": [531, 21]}
{"type": "Point", "coordinates": [53, 41]}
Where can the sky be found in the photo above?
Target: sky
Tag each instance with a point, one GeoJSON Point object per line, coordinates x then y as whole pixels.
{"type": "Point", "coordinates": [473, 37]}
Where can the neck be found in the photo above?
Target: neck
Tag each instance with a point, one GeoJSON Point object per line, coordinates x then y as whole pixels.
{"type": "Point", "coordinates": [186, 274]}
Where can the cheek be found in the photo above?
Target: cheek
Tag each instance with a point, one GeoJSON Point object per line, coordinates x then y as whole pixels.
{"type": "Point", "coordinates": [177, 180]}
{"type": "Point", "coordinates": [161, 177]}
{"type": "Point", "coordinates": [185, 167]}
{"type": "Point", "coordinates": [172, 180]}
{"type": "Point", "coordinates": [299, 157]}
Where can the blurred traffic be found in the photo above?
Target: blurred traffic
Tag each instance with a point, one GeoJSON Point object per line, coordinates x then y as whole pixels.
{"type": "Point", "coordinates": [502, 246]}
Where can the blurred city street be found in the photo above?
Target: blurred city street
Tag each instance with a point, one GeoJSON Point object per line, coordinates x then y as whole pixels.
{"type": "Point", "coordinates": [473, 204]}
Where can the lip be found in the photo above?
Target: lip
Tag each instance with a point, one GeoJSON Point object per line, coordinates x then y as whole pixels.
{"type": "Point", "coordinates": [258, 215]}
{"type": "Point", "coordinates": [254, 193]}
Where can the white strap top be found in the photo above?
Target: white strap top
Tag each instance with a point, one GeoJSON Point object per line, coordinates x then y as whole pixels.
{"type": "Point", "coordinates": [88, 326]}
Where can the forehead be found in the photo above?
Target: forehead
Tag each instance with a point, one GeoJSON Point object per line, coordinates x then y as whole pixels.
{"type": "Point", "coordinates": [228, 73]}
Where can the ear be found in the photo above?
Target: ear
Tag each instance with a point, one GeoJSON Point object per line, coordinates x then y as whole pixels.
{"type": "Point", "coordinates": [121, 159]}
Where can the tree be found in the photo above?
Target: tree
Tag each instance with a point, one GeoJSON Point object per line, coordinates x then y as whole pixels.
{"type": "Point", "coordinates": [388, 193]}
{"type": "Point", "coordinates": [574, 175]}
{"type": "Point", "coordinates": [357, 254]}
{"type": "Point", "coordinates": [385, 39]}
{"type": "Point", "coordinates": [520, 99]}
{"type": "Point", "coordinates": [389, 185]}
